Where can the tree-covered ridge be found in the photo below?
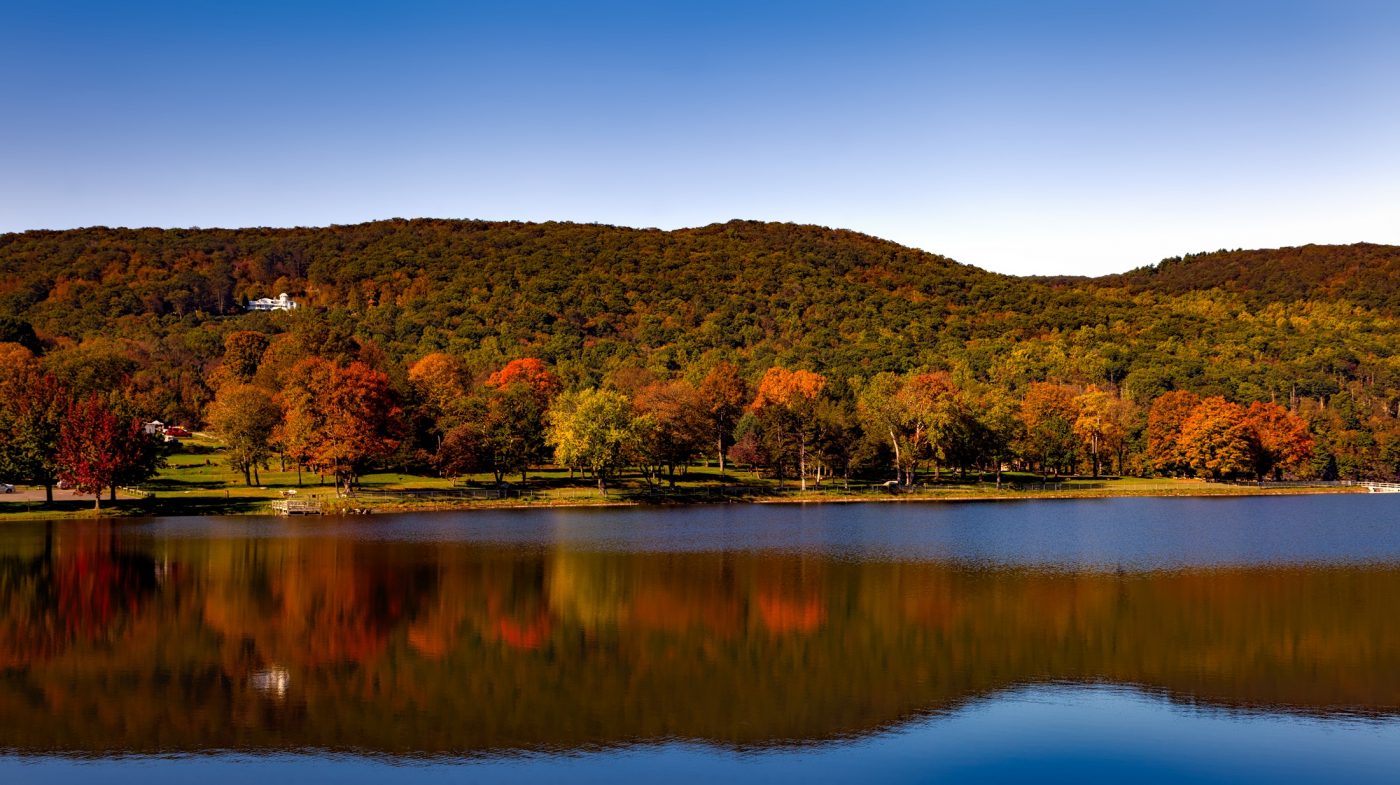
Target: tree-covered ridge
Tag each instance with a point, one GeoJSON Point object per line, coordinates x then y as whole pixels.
{"type": "Point", "coordinates": [158, 316]}
{"type": "Point", "coordinates": [588, 298]}
{"type": "Point", "coordinates": [1363, 273]}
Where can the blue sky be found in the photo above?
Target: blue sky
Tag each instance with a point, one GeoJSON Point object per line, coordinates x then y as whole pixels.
{"type": "Point", "coordinates": [1025, 137]}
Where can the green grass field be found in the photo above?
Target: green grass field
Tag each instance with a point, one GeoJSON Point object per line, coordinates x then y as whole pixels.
{"type": "Point", "coordinates": [197, 481]}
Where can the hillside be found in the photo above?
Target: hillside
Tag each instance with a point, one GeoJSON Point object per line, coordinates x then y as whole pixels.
{"type": "Point", "coordinates": [150, 309]}
{"type": "Point", "coordinates": [587, 292]}
{"type": "Point", "coordinates": [1365, 274]}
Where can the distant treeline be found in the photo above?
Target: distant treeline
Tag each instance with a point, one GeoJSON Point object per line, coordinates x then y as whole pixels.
{"type": "Point", "coordinates": [637, 321]}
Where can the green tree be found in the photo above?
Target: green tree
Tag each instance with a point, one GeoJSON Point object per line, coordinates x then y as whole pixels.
{"type": "Point", "coordinates": [33, 406]}
{"type": "Point", "coordinates": [596, 430]}
{"type": "Point", "coordinates": [245, 416]}
{"type": "Point", "coordinates": [243, 353]}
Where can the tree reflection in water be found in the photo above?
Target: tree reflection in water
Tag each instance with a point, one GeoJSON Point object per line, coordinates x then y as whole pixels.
{"type": "Point", "coordinates": [112, 642]}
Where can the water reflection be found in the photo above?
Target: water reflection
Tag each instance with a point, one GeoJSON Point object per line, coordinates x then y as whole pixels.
{"type": "Point", "coordinates": [116, 641]}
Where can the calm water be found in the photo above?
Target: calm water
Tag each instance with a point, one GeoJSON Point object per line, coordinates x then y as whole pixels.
{"type": "Point", "coordinates": [1229, 640]}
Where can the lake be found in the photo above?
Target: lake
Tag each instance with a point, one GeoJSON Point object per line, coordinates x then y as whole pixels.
{"type": "Point", "coordinates": [1218, 640]}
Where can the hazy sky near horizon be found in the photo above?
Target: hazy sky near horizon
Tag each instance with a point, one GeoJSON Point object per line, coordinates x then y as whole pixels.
{"type": "Point", "coordinates": [1023, 137]}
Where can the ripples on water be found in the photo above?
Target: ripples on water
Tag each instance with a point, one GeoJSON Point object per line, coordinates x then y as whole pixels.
{"type": "Point", "coordinates": [1155, 637]}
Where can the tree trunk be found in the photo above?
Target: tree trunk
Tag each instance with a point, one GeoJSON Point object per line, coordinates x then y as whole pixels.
{"type": "Point", "coordinates": [97, 500]}
{"type": "Point", "coordinates": [113, 492]}
{"type": "Point", "coordinates": [802, 462]}
{"type": "Point", "coordinates": [898, 464]}
{"type": "Point", "coordinates": [602, 486]}
{"type": "Point", "coordinates": [257, 478]}
{"type": "Point", "coordinates": [48, 492]}
{"type": "Point", "coordinates": [721, 456]}
{"type": "Point", "coordinates": [247, 477]}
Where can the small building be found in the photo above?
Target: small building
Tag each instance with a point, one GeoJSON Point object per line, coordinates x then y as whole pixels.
{"type": "Point", "coordinates": [282, 303]}
{"type": "Point", "coordinates": [154, 428]}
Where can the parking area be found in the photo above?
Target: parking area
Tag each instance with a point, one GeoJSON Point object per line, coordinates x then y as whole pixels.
{"type": "Point", "coordinates": [24, 493]}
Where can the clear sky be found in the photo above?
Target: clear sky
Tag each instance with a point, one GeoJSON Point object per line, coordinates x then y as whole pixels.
{"type": "Point", "coordinates": [1025, 137]}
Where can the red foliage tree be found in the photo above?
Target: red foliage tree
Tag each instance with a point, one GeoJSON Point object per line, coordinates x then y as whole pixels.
{"type": "Point", "coordinates": [530, 371]}
{"type": "Point", "coordinates": [97, 447]}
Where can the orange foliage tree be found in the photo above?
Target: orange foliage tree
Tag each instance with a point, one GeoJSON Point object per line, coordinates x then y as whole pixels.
{"type": "Point", "coordinates": [530, 371]}
{"type": "Point", "coordinates": [1215, 439]}
{"type": "Point", "coordinates": [722, 394]}
{"type": "Point", "coordinates": [1049, 412]}
{"type": "Point", "coordinates": [337, 419]}
{"type": "Point", "coordinates": [786, 404]}
{"type": "Point", "coordinates": [1281, 441]}
{"type": "Point", "coordinates": [438, 380]}
{"type": "Point", "coordinates": [676, 429]}
{"type": "Point", "coordinates": [1165, 419]}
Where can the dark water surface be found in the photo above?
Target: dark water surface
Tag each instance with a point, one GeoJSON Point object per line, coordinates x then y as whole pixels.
{"type": "Point", "coordinates": [1226, 640]}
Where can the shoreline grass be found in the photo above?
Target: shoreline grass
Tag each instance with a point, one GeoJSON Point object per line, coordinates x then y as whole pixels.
{"type": "Point", "coordinates": [196, 482]}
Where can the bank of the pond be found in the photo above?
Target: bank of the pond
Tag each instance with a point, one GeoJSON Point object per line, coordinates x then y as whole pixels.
{"type": "Point", "coordinates": [251, 502]}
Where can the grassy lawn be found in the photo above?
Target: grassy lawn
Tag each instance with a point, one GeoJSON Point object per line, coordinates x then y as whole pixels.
{"type": "Point", "coordinates": [197, 481]}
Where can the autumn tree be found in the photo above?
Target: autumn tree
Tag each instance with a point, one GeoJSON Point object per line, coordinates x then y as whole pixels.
{"type": "Point", "coordinates": [1280, 439]}
{"type": "Point", "coordinates": [533, 373]}
{"type": "Point", "coordinates": [932, 414]}
{"type": "Point", "coordinates": [303, 416]}
{"type": "Point", "coordinates": [723, 394]}
{"type": "Point", "coordinates": [595, 429]}
{"type": "Point", "coordinates": [463, 451]}
{"type": "Point", "coordinates": [1165, 419]}
{"type": "Point", "coordinates": [245, 416]}
{"type": "Point", "coordinates": [519, 395]}
{"type": "Point", "coordinates": [513, 429]}
{"type": "Point", "coordinates": [33, 405]}
{"type": "Point", "coordinates": [1102, 425]}
{"type": "Point", "coordinates": [1215, 439]}
{"type": "Point", "coordinates": [998, 425]}
{"type": "Point", "coordinates": [679, 427]}
{"type": "Point", "coordinates": [243, 353]}
{"type": "Point", "coordinates": [98, 448]}
{"type": "Point", "coordinates": [1048, 414]}
{"type": "Point", "coordinates": [786, 404]}
{"type": "Point", "coordinates": [440, 388]}
{"type": "Point", "coordinates": [339, 418]}
{"type": "Point", "coordinates": [881, 413]}
{"type": "Point", "coordinates": [748, 445]}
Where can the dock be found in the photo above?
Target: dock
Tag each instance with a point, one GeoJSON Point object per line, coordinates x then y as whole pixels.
{"type": "Point", "coordinates": [297, 506]}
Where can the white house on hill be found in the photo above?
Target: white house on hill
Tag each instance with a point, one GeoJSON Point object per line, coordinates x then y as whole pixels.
{"type": "Point", "coordinates": [282, 303]}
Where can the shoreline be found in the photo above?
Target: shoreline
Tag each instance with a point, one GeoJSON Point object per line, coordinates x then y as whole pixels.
{"type": "Point", "coordinates": [257, 507]}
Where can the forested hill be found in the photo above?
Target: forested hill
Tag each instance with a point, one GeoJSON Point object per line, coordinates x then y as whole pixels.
{"type": "Point", "coordinates": [1364, 273]}
{"type": "Point", "coordinates": [566, 291]}
{"type": "Point", "coordinates": [593, 299]}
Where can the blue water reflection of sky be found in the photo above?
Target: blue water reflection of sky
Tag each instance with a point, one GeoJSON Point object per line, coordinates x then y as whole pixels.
{"type": "Point", "coordinates": [1055, 733]}
{"type": "Point", "coordinates": [1135, 533]}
